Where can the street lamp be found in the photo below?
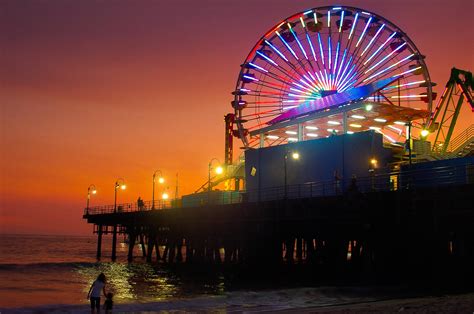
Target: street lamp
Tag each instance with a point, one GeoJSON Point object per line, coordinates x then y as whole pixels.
{"type": "Point", "coordinates": [119, 184]}
{"type": "Point", "coordinates": [161, 180]}
{"type": "Point", "coordinates": [90, 190]}
{"type": "Point", "coordinates": [219, 170]}
{"type": "Point", "coordinates": [295, 156]}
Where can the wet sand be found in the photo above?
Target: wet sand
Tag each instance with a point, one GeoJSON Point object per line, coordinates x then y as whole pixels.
{"type": "Point", "coordinates": [300, 300]}
{"type": "Point", "coordinates": [441, 304]}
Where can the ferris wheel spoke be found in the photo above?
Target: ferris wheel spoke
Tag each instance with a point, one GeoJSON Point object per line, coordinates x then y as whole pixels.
{"type": "Point", "coordinates": [373, 39]}
{"type": "Point", "coordinates": [388, 68]}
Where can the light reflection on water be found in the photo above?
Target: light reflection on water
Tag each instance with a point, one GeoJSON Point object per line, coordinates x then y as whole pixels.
{"type": "Point", "coordinates": [147, 282]}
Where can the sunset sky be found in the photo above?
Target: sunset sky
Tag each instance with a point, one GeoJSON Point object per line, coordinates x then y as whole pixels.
{"type": "Point", "coordinates": [95, 90]}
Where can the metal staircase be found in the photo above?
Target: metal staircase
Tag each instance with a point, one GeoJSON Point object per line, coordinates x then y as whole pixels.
{"type": "Point", "coordinates": [461, 146]}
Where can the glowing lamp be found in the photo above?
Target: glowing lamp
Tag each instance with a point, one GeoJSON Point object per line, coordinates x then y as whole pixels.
{"type": "Point", "coordinates": [424, 133]}
{"type": "Point", "coordinates": [161, 180]}
{"type": "Point", "coordinates": [165, 196]}
{"type": "Point", "coordinates": [369, 107]}
{"type": "Point", "coordinates": [123, 186]}
{"type": "Point", "coordinates": [295, 155]}
{"type": "Point", "coordinates": [94, 191]}
{"type": "Point", "coordinates": [219, 170]}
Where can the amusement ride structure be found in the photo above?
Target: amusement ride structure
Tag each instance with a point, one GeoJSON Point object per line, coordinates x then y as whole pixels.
{"type": "Point", "coordinates": [342, 70]}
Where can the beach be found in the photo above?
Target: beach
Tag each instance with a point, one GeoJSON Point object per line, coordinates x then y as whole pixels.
{"type": "Point", "coordinates": [300, 300]}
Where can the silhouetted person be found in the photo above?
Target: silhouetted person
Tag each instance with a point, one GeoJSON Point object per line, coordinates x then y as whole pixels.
{"type": "Point", "coordinates": [140, 204]}
{"type": "Point", "coordinates": [109, 303]}
{"type": "Point", "coordinates": [94, 292]}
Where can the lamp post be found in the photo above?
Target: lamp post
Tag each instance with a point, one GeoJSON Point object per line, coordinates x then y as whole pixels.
{"type": "Point", "coordinates": [91, 189]}
{"type": "Point", "coordinates": [294, 155]}
{"type": "Point", "coordinates": [161, 180]}
{"type": "Point", "coordinates": [219, 170]}
{"type": "Point", "coordinates": [120, 183]}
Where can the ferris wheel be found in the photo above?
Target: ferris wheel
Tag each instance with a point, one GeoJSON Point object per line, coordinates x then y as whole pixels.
{"type": "Point", "coordinates": [318, 71]}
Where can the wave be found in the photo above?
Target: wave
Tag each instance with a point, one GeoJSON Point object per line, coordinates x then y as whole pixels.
{"type": "Point", "coordinates": [13, 266]}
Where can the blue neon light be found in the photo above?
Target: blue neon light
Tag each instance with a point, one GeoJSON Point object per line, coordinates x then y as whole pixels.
{"type": "Point", "coordinates": [312, 48]}
{"type": "Point", "coordinates": [329, 52]}
{"type": "Point", "coordinates": [372, 40]}
{"type": "Point", "coordinates": [345, 75]}
{"type": "Point", "coordinates": [276, 50]}
{"type": "Point", "coordinates": [380, 48]}
{"type": "Point", "coordinates": [341, 64]}
{"type": "Point", "coordinates": [388, 68]}
{"type": "Point", "coordinates": [385, 58]}
{"type": "Point", "coordinates": [345, 69]}
{"type": "Point", "coordinates": [353, 25]}
{"type": "Point", "coordinates": [266, 58]}
{"type": "Point", "coordinates": [287, 46]}
{"type": "Point", "coordinates": [299, 43]}
{"type": "Point", "coordinates": [256, 66]}
{"type": "Point", "coordinates": [342, 20]}
{"type": "Point", "coordinates": [321, 48]}
{"type": "Point", "coordinates": [363, 33]}
{"type": "Point", "coordinates": [337, 57]}
{"type": "Point", "coordinates": [250, 78]}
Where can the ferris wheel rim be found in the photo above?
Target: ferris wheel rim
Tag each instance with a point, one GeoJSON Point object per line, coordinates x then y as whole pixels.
{"type": "Point", "coordinates": [251, 54]}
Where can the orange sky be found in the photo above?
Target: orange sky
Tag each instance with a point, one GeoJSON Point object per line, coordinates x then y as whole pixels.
{"type": "Point", "coordinates": [95, 90]}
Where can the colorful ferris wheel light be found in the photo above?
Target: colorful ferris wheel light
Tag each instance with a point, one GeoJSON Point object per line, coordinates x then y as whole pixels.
{"type": "Point", "coordinates": [308, 63]}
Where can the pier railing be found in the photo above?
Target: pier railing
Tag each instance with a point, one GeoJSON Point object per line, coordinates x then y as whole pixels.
{"type": "Point", "coordinates": [374, 182]}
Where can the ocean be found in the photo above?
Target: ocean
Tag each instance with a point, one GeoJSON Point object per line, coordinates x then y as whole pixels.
{"type": "Point", "coordinates": [41, 273]}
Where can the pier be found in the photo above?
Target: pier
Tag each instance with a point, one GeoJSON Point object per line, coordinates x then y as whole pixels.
{"type": "Point", "coordinates": [355, 171]}
{"type": "Point", "coordinates": [420, 224]}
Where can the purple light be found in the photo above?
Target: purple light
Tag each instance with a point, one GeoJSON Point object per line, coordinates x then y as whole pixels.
{"type": "Point", "coordinates": [334, 100]}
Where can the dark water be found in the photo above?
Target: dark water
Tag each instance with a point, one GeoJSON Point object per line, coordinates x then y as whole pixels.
{"type": "Point", "coordinates": [54, 273]}
{"type": "Point", "coordinates": [38, 270]}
